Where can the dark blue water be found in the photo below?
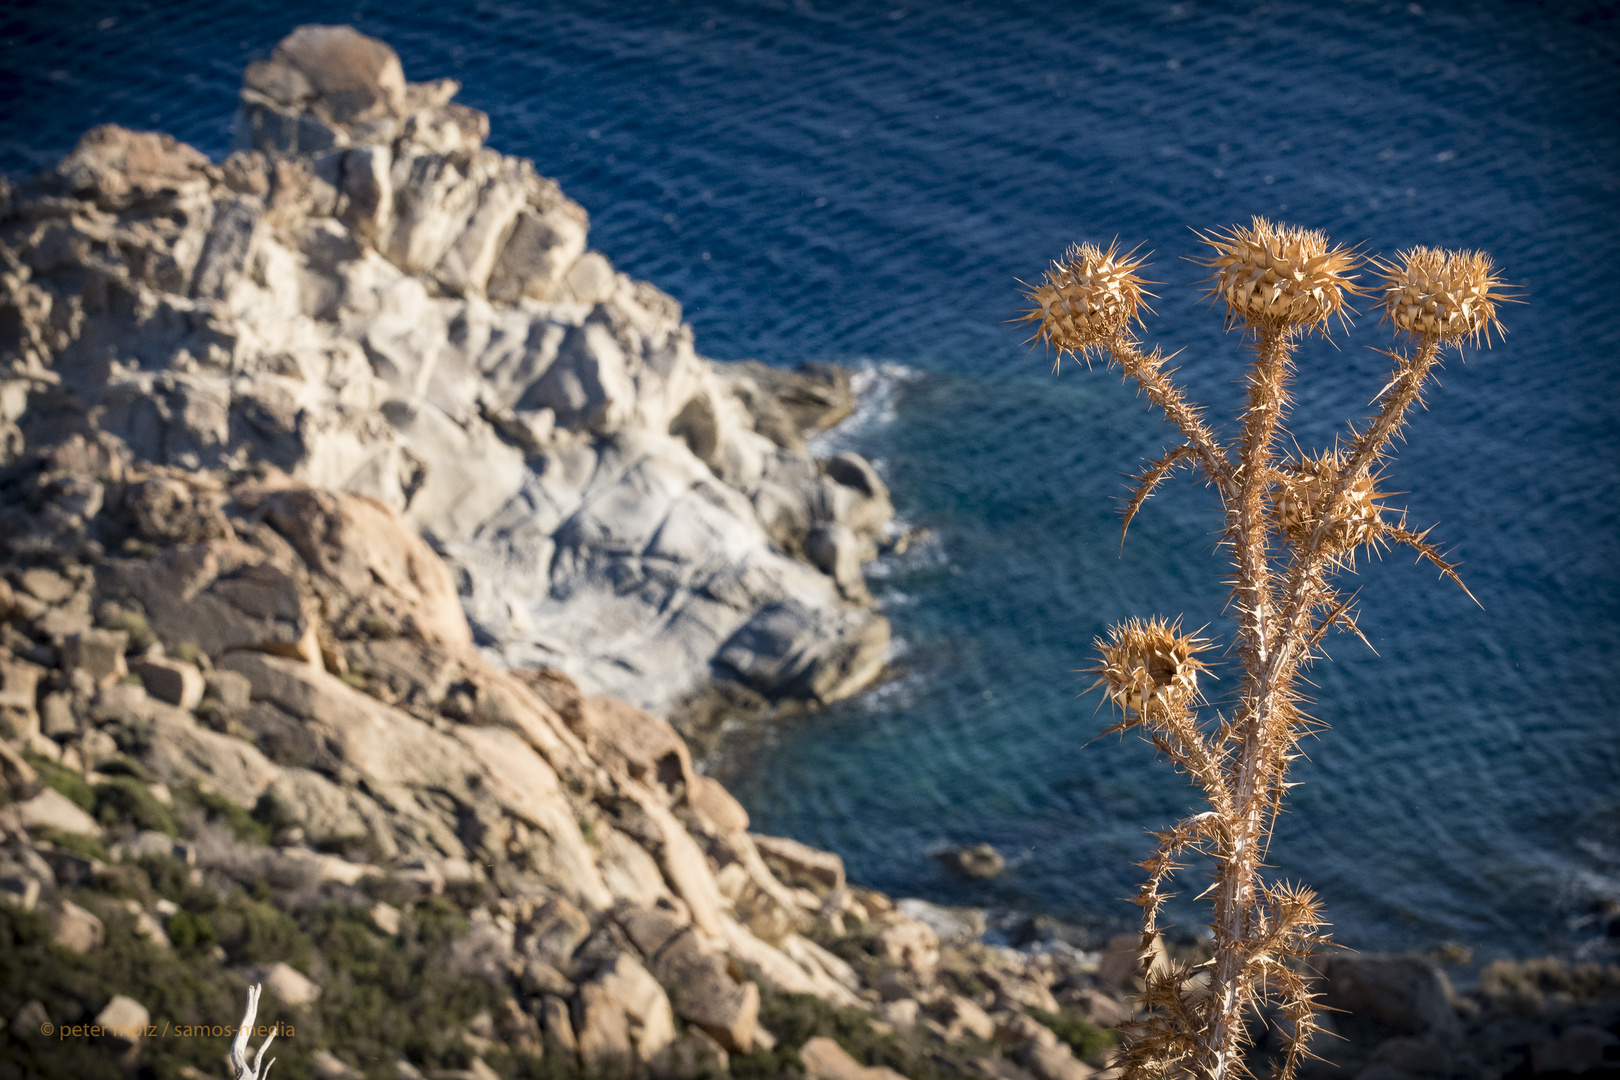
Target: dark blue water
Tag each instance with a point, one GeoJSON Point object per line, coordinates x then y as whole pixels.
{"type": "Point", "coordinates": [862, 183]}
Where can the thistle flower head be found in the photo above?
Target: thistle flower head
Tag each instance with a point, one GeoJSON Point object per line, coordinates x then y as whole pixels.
{"type": "Point", "coordinates": [1428, 292]}
{"type": "Point", "coordinates": [1149, 661]}
{"type": "Point", "coordinates": [1087, 297]}
{"type": "Point", "coordinates": [1303, 500]}
{"type": "Point", "coordinates": [1279, 275]}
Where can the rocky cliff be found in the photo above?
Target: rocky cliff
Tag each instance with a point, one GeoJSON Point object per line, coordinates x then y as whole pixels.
{"type": "Point", "coordinates": [369, 299]}
{"type": "Point", "coordinates": [252, 699]}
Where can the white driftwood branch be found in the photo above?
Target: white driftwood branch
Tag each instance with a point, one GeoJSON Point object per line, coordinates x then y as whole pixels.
{"type": "Point", "coordinates": [239, 1065]}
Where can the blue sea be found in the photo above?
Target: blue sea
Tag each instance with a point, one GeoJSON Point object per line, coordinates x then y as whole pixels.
{"type": "Point", "coordinates": [863, 183]}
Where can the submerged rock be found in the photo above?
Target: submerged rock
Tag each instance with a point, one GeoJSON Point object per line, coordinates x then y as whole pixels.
{"type": "Point", "coordinates": [975, 861]}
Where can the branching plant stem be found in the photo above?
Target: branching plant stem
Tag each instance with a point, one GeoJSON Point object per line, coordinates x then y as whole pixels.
{"type": "Point", "coordinates": [1291, 526]}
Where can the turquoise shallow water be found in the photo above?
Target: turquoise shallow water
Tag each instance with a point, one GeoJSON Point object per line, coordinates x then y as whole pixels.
{"type": "Point", "coordinates": [862, 183]}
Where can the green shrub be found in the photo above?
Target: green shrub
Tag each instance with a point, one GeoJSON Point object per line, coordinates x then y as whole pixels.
{"type": "Point", "coordinates": [377, 628]}
{"type": "Point", "coordinates": [383, 997]}
{"type": "Point", "coordinates": [253, 931]}
{"type": "Point", "coordinates": [1086, 1039]}
{"type": "Point", "coordinates": [124, 799]}
{"type": "Point", "coordinates": [244, 824]}
{"type": "Point", "coordinates": [88, 846]}
{"type": "Point", "coordinates": [132, 623]}
{"type": "Point", "coordinates": [123, 766]}
{"type": "Point", "coordinates": [793, 1018]}
{"type": "Point", "coordinates": [189, 931]}
{"type": "Point", "coordinates": [64, 780]}
{"type": "Point", "coordinates": [361, 846]}
{"type": "Point", "coordinates": [180, 988]}
{"type": "Point", "coordinates": [168, 876]}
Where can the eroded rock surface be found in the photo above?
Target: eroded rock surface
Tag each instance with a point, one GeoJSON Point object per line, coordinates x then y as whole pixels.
{"type": "Point", "coordinates": [367, 298]}
{"type": "Point", "coordinates": [347, 744]}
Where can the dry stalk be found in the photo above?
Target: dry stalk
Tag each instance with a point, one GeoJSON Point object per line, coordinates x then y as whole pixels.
{"type": "Point", "coordinates": [240, 1069]}
{"type": "Point", "coordinates": [1292, 526]}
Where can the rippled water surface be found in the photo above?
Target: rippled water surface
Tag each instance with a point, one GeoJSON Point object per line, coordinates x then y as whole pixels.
{"type": "Point", "coordinates": [862, 183]}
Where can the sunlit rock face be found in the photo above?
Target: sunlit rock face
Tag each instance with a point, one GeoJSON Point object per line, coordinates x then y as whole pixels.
{"type": "Point", "coordinates": [367, 298]}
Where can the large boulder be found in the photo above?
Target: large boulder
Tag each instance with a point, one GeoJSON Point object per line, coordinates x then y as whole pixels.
{"type": "Point", "coordinates": [354, 76]}
{"type": "Point", "coordinates": [705, 994]}
{"type": "Point", "coordinates": [1378, 995]}
{"type": "Point", "coordinates": [824, 1059]}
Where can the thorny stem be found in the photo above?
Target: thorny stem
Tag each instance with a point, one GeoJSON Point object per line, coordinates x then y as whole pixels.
{"type": "Point", "coordinates": [1367, 449]}
{"type": "Point", "coordinates": [1163, 392]}
{"type": "Point", "coordinates": [1274, 639]}
{"type": "Point", "coordinates": [1249, 531]}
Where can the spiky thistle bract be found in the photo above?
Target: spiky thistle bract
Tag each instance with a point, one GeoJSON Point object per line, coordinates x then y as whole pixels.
{"type": "Point", "coordinates": [1279, 275]}
{"type": "Point", "coordinates": [1087, 298]}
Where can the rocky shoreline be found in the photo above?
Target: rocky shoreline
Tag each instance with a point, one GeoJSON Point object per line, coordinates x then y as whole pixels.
{"type": "Point", "coordinates": [356, 525]}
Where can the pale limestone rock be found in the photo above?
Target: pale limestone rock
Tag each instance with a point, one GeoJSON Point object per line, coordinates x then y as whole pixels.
{"type": "Point", "coordinates": [775, 968]}
{"type": "Point", "coordinates": [56, 718]}
{"type": "Point", "coordinates": [961, 1016]}
{"type": "Point", "coordinates": [50, 809]}
{"type": "Point", "coordinates": [527, 787]}
{"type": "Point", "coordinates": [902, 1014]}
{"type": "Point", "coordinates": [705, 993]}
{"type": "Point", "coordinates": [558, 1024]}
{"type": "Point", "coordinates": [146, 926]}
{"type": "Point", "coordinates": [125, 1020]}
{"type": "Point", "coordinates": [355, 76]}
{"type": "Point", "coordinates": [539, 978]}
{"type": "Point", "coordinates": [45, 585]}
{"type": "Point", "coordinates": [285, 982]}
{"type": "Point", "coordinates": [75, 929]}
{"type": "Point", "coordinates": [590, 279]}
{"type": "Point", "coordinates": [601, 1031]}
{"type": "Point", "coordinates": [323, 809]}
{"type": "Point", "coordinates": [824, 1059]}
{"type": "Point", "coordinates": [1019, 994]}
{"type": "Point", "coordinates": [386, 918]}
{"type": "Point", "coordinates": [554, 930]}
{"type": "Point", "coordinates": [683, 863]}
{"type": "Point", "coordinates": [19, 682]}
{"type": "Point", "coordinates": [911, 944]}
{"type": "Point", "coordinates": [798, 861]}
{"type": "Point", "coordinates": [542, 246]}
{"type": "Point", "coordinates": [628, 871]}
{"type": "Point", "coordinates": [233, 768]}
{"type": "Point", "coordinates": [715, 805]}
{"type": "Point", "coordinates": [328, 1066]}
{"type": "Point", "coordinates": [645, 1005]}
{"type": "Point", "coordinates": [652, 926]}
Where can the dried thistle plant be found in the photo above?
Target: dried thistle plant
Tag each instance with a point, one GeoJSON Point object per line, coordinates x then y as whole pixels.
{"type": "Point", "coordinates": [1292, 528]}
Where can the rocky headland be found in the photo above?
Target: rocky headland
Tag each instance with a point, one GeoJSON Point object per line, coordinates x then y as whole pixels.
{"type": "Point", "coordinates": [368, 299]}
{"type": "Point", "coordinates": [360, 528]}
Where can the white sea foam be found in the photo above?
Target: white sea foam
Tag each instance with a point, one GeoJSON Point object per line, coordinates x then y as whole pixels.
{"type": "Point", "coordinates": [876, 383]}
